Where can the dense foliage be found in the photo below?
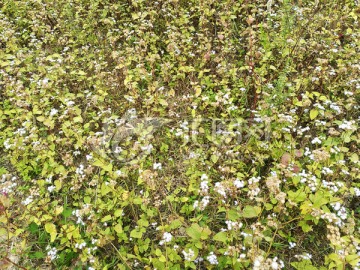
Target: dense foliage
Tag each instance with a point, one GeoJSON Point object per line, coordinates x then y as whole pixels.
{"type": "Point", "coordinates": [217, 134]}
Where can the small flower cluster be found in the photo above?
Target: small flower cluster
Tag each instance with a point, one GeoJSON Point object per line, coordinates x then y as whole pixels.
{"type": "Point", "coordinates": [78, 214]}
{"type": "Point", "coordinates": [309, 179]}
{"type": "Point", "coordinates": [188, 256]}
{"type": "Point", "coordinates": [254, 189]}
{"type": "Point", "coordinates": [167, 237]}
{"type": "Point", "coordinates": [8, 184]}
{"type": "Point", "coordinates": [274, 264]}
{"type": "Point", "coordinates": [212, 258]}
{"type": "Point", "coordinates": [80, 246]}
{"type": "Point", "coordinates": [203, 203]}
{"type": "Point", "coordinates": [333, 187]}
{"type": "Point", "coordinates": [51, 253]}
{"type": "Point", "coordinates": [233, 225]}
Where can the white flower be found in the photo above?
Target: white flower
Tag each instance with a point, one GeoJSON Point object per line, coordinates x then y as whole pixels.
{"type": "Point", "coordinates": [167, 237]}
{"type": "Point", "coordinates": [204, 187]}
{"type": "Point", "coordinates": [51, 188]}
{"type": "Point", "coordinates": [157, 166]}
{"type": "Point", "coordinates": [346, 125]}
{"type": "Point", "coordinates": [212, 259]}
{"type": "Point", "coordinates": [52, 253]}
{"type": "Point", "coordinates": [28, 200]}
{"type": "Point", "coordinates": [53, 112]}
{"type": "Point", "coordinates": [257, 262]}
{"type": "Point", "coordinates": [7, 145]}
{"type": "Point", "coordinates": [219, 188]}
{"type": "Point", "coordinates": [238, 183]}
{"type": "Point", "coordinates": [292, 245]}
{"type": "Point", "coordinates": [70, 103]}
{"type": "Point", "coordinates": [316, 140]}
{"type": "Point", "coordinates": [305, 256]}
{"type": "Point", "coordinates": [188, 256]}
{"type": "Point", "coordinates": [274, 265]}
{"type": "Point", "coordinates": [80, 246]}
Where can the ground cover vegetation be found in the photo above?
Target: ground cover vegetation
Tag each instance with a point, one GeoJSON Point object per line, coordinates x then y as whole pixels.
{"type": "Point", "coordinates": [215, 134]}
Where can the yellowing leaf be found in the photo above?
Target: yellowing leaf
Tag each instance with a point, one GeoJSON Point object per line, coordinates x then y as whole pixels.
{"type": "Point", "coordinates": [313, 114]}
{"type": "Point", "coordinates": [40, 118]}
{"type": "Point", "coordinates": [51, 229]}
{"type": "Point", "coordinates": [58, 184]}
{"type": "Point", "coordinates": [163, 102]}
{"type": "Point", "coordinates": [198, 91]}
{"type": "Point", "coordinates": [58, 210]}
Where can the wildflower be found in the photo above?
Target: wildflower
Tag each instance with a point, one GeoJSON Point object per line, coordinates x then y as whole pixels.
{"type": "Point", "coordinates": [28, 200]}
{"type": "Point", "coordinates": [316, 140]}
{"type": "Point", "coordinates": [212, 259]}
{"type": "Point", "coordinates": [7, 145]}
{"type": "Point", "coordinates": [188, 255]}
{"type": "Point", "coordinates": [52, 253]}
{"type": "Point", "coordinates": [53, 112]}
{"type": "Point", "coordinates": [167, 237]}
{"type": "Point", "coordinates": [257, 262]}
{"type": "Point", "coordinates": [219, 188]}
{"type": "Point", "coordinates": [238, 183]}
{"type": "Point", "coordinates": [157, 166]}
{"type": "Point", "coordinates": [346, 125]}
{"type": "Point", "coordinates": [80, 246]}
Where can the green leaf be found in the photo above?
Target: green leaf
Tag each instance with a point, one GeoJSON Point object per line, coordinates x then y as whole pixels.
{"type": "Point", "coordinates": [318, 199]}
{"type": "Point", "coordinates": [67, 212]}
{"type": "Point", "coordinates": [106, 218]}
{"type": "Point", "coordinates": [233, 214]}
{"type": "Point", "coordinates": [221, 237]}
{"type": "Point", "coordinates": [214, 158]}
{"type": "Point", "coordinates": [298, 196]}
{"type": "Point", "coordinates": [303, 265]}
{"type": "Point", "coordinates": [33, 227]}
{"type": "Point", "coordinates": [136, 234]}
{"type": "Point", "coordinates": [352, 259]}
{"type": "Point", "coordinates": [196, 232]}
{"type": "Point", "coordinates": [251, 211]}
{"type": "Point", "coordinates": [118, 228]}
{"type": "Point", "coordinates": [105, 189]}
{"type": "Point", "coordinates": [305, 226]}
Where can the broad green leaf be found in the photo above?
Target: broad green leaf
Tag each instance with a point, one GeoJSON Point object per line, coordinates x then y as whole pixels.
{"type": "Point", "coordinates": [251, 211]}
{"type": "Point", "coordinates": [118, 228]}
{"type": "Point", "coordinates": [221, 237]}
{"type": "Point", "coordinates": [298, 196]}
{"type": "Point", "coordinates": [136, 233]}
{"type": "Point", "coordinates": [196, 232]}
